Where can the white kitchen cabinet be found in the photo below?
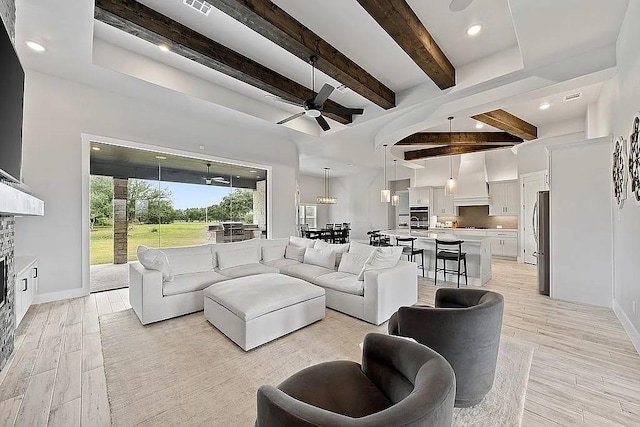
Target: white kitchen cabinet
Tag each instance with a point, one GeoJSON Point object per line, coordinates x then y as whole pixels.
{"type": "Point", "coordinates": [26, 285]}
{"type": "Point", "coordinates": [474, 232]}
{"type": "Point", "coordinates": [442, 203]}
{"type": "Point", "coordinates": [504, 243]}
{"type": "Point", "coordinates": [419, 196]}
{"type": "Point", "coordinates": [504, 198]}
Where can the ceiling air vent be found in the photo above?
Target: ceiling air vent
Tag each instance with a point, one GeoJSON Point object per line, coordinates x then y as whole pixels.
{"type": "Point", "coordinates": [572, 97]}
{"type": "Point", "coordinates": [343, 88]}
{"type": "Point", "coordinates": [199, 5]}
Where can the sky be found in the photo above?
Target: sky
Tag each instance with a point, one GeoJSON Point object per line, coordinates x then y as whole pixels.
{"type": "Point", "coordinates": [193, 195]}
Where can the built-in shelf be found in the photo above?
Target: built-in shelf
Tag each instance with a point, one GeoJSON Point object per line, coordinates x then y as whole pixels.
{"type": "Point", "coordinates": [16, 202]}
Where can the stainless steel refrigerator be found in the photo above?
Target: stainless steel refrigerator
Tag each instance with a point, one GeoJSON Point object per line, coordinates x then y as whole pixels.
{"type": "Point", "coordinates": [542, 235]}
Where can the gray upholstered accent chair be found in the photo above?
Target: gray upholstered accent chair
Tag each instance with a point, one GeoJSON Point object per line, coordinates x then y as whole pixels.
{"type": "Point", "coordinates": [464, 327]}
{"type": "Point", "coordinates": [400, 383]}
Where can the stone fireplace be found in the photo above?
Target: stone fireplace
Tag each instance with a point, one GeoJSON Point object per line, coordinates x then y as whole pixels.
{"type": "Point", "coordinates": [7, 314]}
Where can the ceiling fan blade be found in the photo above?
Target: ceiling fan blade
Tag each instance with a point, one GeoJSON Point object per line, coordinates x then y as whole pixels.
{"type": "Point", "coordinates": [286, 101]}
{"type": "Point", "coordinates": [323, 95]}
{"type": "Point", "coordinates": [323, 123]}
{"type": "Point", "coordinates": [288, 119]}
{"type": "Point", "coordinates": [343, 110]}
{"type": "Point", "coordinates": [459, 5]}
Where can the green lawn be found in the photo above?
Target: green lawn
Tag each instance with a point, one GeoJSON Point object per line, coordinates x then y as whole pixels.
{"type": "Point", "coordinates": [165, 235]}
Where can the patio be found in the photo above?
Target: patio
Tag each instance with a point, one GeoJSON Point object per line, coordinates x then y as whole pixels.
{"type": "Point", "coordinates": [105, 277]}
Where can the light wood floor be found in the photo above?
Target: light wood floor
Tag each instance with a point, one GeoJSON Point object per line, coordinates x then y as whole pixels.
{"type": "Point", "coordinates": [585, 370]}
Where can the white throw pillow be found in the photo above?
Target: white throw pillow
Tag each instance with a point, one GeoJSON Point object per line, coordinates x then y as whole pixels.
{"type": "Point", "coordinates": [361, 249]}
{"type": "Point", "coordinates": [236, 257]}
{"type": "Point", "coordinates": [321, 257]}
{"type": "Point", "coordinates": [384, 257]}
{"type": "Point", "coordinates": [301, 242]}
{"type": "Point", "coordinates": [295, 253]}
{"type": "Point", "coordinates": [272, 253]}
{"type": "Point", "coordinates": [232, 246]}
{"type": "Point", "coordinates": [155, 259]}
{"type": "Point", "coordinates": [352, 263]}
{"type": "Point", "coordinates": [190, 259]}
{"type": "Point", "coordinates": [338, 248]}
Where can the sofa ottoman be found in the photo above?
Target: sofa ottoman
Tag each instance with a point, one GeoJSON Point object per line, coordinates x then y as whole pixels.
{"type": "Point", "coordinates": [254, 310]}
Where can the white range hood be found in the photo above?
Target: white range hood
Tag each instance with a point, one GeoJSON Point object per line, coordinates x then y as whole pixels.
{"type": "Point", "coordinates": [473, 189]}
{"type": "Point", "coordinates": [14, 202]}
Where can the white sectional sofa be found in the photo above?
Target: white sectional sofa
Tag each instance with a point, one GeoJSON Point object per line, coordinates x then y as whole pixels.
{"type": "Point", "coordinates": [157, 295]}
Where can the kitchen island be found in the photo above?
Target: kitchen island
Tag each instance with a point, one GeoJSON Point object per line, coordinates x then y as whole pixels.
{"type": "Point", "coordinates": [477, 248]}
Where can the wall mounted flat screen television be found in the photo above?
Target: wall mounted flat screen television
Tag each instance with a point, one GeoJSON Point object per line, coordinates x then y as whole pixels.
{"type": "Point", "coordinates": [11, 105]}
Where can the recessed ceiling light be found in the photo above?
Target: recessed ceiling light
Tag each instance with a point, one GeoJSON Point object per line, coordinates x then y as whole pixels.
{"type": "Point", "coordinates": [474, 30]}
{"type": "Point", "coordinates": [95, 148]}
{"type": "Point", "coordinates": [161, 158]}
{"type": "Point", "coordinates": [164, 47]}
{"type": "Point", "coordinates": [35, 46]}
{"type": "Point", "coordinates": [253, 171]}
{"type": "Point", "coordinates": [544, 106]}
{"type": "Point", "coordinates": [237, 176]}
{"type": "Point", "coordinates": [479, 125]}
{"type": "Point", "coordinates": [258, 176]}
{"type": "Point", "coordinates": [202, 147]}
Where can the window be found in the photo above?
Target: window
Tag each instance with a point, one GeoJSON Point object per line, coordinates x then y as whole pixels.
{"type": "Point", "coordinates": [308, 215]}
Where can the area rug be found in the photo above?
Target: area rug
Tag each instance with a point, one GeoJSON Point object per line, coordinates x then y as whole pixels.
{"type": "Point", "coordinates": [184, 372]}
{"type": "Point", "coordinates": [504, 404]}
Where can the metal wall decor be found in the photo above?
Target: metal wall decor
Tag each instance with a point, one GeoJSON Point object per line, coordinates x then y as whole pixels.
{"type": "Point", "coordinates": [634, 159]}
{"type": "Point", "coordinates": [620, 174]}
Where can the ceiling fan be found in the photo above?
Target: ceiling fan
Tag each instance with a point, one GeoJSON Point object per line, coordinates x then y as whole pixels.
{"type": "Point", "coordinates": [459, 5]}
{"type": "Point", "coordinates": [218, 179]}
{"type": "Point", "coordinates": [314, 107]}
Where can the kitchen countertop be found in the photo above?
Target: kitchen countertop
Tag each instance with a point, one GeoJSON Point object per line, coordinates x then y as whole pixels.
{"type": "Point", "coordinates": [472, 229]}
{"type": "Point", "coordinates": [431, 236]}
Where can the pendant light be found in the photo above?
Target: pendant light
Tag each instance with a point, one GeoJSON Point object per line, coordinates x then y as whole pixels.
{"type": "Point", "coordinates": [451, 186]}
{"type": "Point", "coordinates": [385, 194]}
{"type": "Point", "coordinates": [326, 199]}
{"type": "Point", "coordinates": [395, 199]}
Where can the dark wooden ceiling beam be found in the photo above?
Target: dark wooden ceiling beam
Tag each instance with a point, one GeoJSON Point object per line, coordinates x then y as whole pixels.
{"type": "Point", "coordinates": [449, 150]}
{"type": "Point", "coordinates": [273, 23]}
{"type": "Point", "coordinates": [507, 122]}
{"type": "Point", "coordinates": [147, 24]}
{"type": "Point", "coordinates": [399, 21]}
{"type": "Point", "coordinates": [460, 138]}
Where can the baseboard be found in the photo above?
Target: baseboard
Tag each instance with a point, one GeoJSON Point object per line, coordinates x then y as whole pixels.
{"type": "Point", "coordinates": [57, 296]}
{"type": "Point", "coordinates": [632, 332]}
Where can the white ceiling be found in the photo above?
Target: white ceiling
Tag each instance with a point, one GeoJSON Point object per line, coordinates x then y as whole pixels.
{"type": "Point", "coordinates": [547, 33]}
{"type": "Point", "coordinates": [450, 29]}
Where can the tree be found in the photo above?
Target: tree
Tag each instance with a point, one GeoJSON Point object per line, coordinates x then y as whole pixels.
{"type": "Point", "coordinates": [195, 214]}
{"type": "Point", "coordinates": [148, 204]}
{"type": "Point", "coordinates": [101, 199]}
{"type": "Point", "coordinates": [234, 206]}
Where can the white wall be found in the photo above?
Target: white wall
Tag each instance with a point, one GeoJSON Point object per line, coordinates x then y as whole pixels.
{"type": "Point", "coordinates": [580, 214]}
{"type": "Point", "coordinates": [359, 203]}
{"type": "Point", "coordinates": [619, 102]}
{"type": "Point", "coordinates": [435, 172]}
{"type": "Point", "coordinates": [55, 165]}
{"type": "Point", "coordinates": [532, 156]}
{"type": "Point", "coordinates": [502, 165]}
{"type": "Point", "coordinates": [310, 188]}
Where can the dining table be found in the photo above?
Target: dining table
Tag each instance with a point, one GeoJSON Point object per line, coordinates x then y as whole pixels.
{"type": "Point", "coordinates": [331, 235]}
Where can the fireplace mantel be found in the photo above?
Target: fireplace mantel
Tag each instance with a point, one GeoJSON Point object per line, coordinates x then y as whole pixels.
{"type": "Point", "coordinates": [14, 202]}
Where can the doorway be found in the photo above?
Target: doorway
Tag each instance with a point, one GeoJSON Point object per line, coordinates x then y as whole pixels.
{"type": "Point", "coordinates": [156, 199]}
{"type": "Point", "coordinates": [531, 184]}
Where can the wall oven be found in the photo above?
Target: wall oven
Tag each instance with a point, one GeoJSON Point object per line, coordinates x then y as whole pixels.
{"type": "Point", "coordinates": [419, 218]}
